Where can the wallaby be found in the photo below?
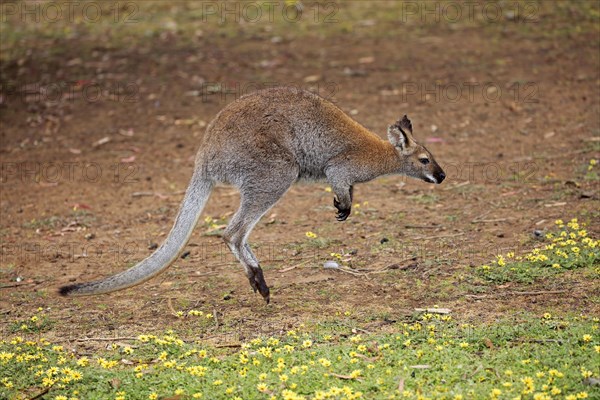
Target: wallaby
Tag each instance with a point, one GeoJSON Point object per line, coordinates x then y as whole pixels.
{"type": "Point", "coordinates": [261, 144]}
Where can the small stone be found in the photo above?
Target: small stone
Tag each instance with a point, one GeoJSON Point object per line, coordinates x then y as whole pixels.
{"type": "Point", "coordinates": [331, 265]}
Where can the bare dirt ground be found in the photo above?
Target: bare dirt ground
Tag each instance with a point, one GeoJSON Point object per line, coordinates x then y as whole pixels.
{"type": "Point", "coordinates": [75, 207]}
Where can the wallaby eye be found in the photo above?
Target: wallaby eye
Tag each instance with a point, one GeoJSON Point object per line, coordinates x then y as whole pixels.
{"type": "Point", "coordinates": [424, 161]}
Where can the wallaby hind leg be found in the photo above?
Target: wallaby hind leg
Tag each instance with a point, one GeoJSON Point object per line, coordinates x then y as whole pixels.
{"type": "Point", "coordinates": [254, 204]}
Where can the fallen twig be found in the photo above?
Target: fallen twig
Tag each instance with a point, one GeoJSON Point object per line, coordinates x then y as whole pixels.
{"type": "Point", "coordinates": [40, 394]}
{"type": "Point", "coordinates": [294, 266]}
{"type": "Point", "coordinates": [480, 216]}
{"type": "Point", "coordinates": [346, 377]}
{"type": "Point", "coordinates": [216, 317]}
{"type": "Point", "coordinates": [487, 221]}
{"type": "Point", "coordinates": [170, 305]}
{"type": "Point", "coordinates": [516, 293]}
{"type": "Point", "coordinates": [421, 226]}
{"type": "Point", "coordinates": [232, 345]}
{"type": "Point", "coordinates": [461, 184]}
{"type": "Point", "coordinates": [349, 271]}
{"type": "Point", "coordinates": [16, 284]}
{"type": "Point", "coordinates": [538, 293]}
{"type": "Point", "coordinates": [104, 339]}
{"type": "Point", "coordinates": [434, 310]}
{"type": "Point", "coordinates": [476, 296]}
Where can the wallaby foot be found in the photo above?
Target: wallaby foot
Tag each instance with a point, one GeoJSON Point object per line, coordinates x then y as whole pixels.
{"type": "Point", "coordinates": [257, 281]}
{"type": "Point", "coordinates": [343, 202]}
{"type": "Point", "coordinates": [343, 212]}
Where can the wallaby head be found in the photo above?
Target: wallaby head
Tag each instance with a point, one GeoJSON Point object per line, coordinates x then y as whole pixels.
{"type": "Point", "coordinates": [416, 160]}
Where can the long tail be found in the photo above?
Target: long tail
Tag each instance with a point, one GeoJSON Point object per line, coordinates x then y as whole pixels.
{"type": "Point", "coordinates": [193, 202]}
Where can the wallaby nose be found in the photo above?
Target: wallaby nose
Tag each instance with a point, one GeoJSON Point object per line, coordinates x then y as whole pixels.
{"type": "Point", "coordinates": [441, 177]}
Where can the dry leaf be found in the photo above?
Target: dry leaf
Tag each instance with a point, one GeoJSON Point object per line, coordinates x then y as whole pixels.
{"type": "Point", "coordinates": [100, 142]}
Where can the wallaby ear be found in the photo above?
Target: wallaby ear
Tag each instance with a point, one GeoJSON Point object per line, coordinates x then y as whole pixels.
{"type": "Point", "coordinates": [405, 124]}
{"type": "Point", "coordinates": [397, 133]}
{"type": "Point", "coordinates": [397, 136]}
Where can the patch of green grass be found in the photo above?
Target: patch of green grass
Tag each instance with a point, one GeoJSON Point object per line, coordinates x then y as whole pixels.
{"type": "Point", "coordinates": [425, 198]}
{"type": "Point", "coordinates": [591, 171]}
{"type": "Point", "coordinates": [430, 356]}
{"type": "Point", "coordinates": [569, 248]}
{"type": "Point", "coordinates": [50, 222]}
{"type": "Point", "coordinates": [37, 323]}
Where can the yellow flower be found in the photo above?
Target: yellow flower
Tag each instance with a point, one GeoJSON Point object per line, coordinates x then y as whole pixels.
{"type": "Point", "coordinates": [311, 235]}
{"type": "Point", "coordinates": [556, 373]}
{"type": "Point", "coordinates": [587, 338]}
{"type": "Point", "coordinates": [355, 374]}
{"type": "Point", "coordinates": [529, 386]}
{"type": "Point", "coordinates": [325, 362]}
{"type": "Point", "coordinates": [218, 382]}
{"type": "Point", "coordinates": [153, 396]}
{"type": "Point", "coordinates": [197, 395]}
{"type": "Point", "coordinates": [262, 387]}
{"type": "Point", "coordinates": [464, 345]}
{"type": "Point", "coordinates": [582, 395]}
{"type": "Point", "coordinates": [307, 343]}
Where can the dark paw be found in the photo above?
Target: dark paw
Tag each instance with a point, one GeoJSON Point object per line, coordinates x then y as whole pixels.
{"type": "Point", "coordinates": [342, 213]}
{"type": "Point", "coordinates": [257, 281]}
